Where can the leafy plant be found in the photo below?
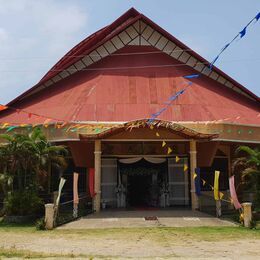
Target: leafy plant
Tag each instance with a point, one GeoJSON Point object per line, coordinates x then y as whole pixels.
{"type": "Point", "coordinates": [248, 165]}
{"type": "Point", "coordinates": [24, 162]}
{"type": "Point", "coordinates": [40, 224]}
{"type": "Point", "coordinates": [23, 203]}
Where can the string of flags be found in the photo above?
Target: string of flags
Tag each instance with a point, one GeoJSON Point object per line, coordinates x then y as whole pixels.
{"type": "Point", "coordinates": [241, 34]}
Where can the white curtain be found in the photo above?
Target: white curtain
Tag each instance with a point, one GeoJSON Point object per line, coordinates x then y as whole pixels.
{"type": "Point", "coordinates": [137, 159]}
{"type": "Point", "coordinates": [131, 160]}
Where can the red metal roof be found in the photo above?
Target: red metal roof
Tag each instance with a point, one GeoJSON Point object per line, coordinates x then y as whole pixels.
{"type": "Point", "coordinates": [110, 95]}
{"type": "Point", "coordinates": [96, 39]}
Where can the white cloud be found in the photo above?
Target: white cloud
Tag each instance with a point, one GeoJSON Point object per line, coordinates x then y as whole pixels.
{"type": "Point", "coordinates": [34, 34]}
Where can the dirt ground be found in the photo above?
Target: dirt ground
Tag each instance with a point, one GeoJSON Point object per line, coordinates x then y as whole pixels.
{"type": "Point", "coordinates": [139, 243]}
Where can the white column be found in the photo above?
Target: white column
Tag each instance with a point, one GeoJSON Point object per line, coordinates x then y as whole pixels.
{"type": "Point", "coordinates": [97, 198]}
{"type": "Point", "coordinates": [193, 165]}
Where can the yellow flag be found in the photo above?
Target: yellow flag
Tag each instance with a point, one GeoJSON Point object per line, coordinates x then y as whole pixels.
{"type": "Point", "coordinates": [221, 195]}
{"type": "Point", "coordinates": [185, 167]}
{"type": "Point", "coordinates": [194, 176]}
{"type": "Point", "coordinates": [177, 158]}
{"type": "Point", "coordinates": [157, 134]}
{"type": "Point", "coordinates": [151, 127]}
{"type": "Point", "coordinates": [169, 150]}
{"type": "Point", "coordinates": [5, 125]}
{"type": "Point", "coordinates": [163, 143]}
{"type": "Point", "coordinates": [203, 182]}
{"type": "Point", "coordinates": [216, 185]}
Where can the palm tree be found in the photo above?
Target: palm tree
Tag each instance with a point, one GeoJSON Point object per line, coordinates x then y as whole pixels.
{"type": "Point", "coordinates": [249, 167]}
{"type": "Point", "coordinates": [25, 160]}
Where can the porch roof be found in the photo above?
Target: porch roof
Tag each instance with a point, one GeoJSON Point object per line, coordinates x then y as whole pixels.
{"type": "Point", "coordinates": [175, 128]}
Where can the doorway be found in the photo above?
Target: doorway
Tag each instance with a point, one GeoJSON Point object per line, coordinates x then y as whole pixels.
{"type": "Point", "coordinates": [143, 181]}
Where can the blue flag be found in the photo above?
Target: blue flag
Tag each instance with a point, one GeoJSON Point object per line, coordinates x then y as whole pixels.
{"type": "Point", "coordinates": [191, 76]}
{"type": "Point", "coordinates": [257, 16]}
{"type": "Point", "coordinates": [242, 33]}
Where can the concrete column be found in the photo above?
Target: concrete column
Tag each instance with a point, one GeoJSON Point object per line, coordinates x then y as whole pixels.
{"type": "Point", "coordinates": [193, 165]}
{"type": "Point", "coordinates": [247, 212]}
{"type": "Point", "coordinates": [49, 216]}
{"type": "Point", "coordinates": [97, 198]}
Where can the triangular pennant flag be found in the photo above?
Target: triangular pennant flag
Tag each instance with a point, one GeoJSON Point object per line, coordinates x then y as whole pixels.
{"type": "Point", "coordinates": [177, 158]}
{"type": "Point", "coordinates": [2, 107]}
{"type": "Point", "coordinates": [194, 176]}
{"type": "Point", "coordinates": [185, 167]}
{"type": "Point", "coordinates": [203, 182]}
{"type": "Point", "coordinates": [151, 127]}
{"type": "Point", "coordinates": [221, 195]}
{"type": "Point", "coordinates": [169, 150]}
{"type": "Point", "coordinates": [10, 128]}
{"type": "Point", "coordinates": [5, 125]}
{"type": "Point", "coordinates": [163, 143]}
{"type": "Point", "coordinates": [257, 16]}
{"type": "Point", "coordinates": [191, 76]}
{"type": "Point", "coordinates": [157, 134]}
{"type": "Point", "coordinates": [242, 33]}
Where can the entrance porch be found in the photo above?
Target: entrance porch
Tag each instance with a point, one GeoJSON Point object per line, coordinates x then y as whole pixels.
{"type": "Point", "coordinates": [118, 181]}
{"type": "Point", "coordinates": [148, 218]}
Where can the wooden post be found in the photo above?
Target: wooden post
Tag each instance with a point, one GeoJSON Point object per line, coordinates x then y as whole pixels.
{"type": "Point", "coordinates": [49, 216]}
{"type": "Point", "coordinates": [97, 198]}
{"type": "Point", "coordinates": [247, 212]}
{"type": "Point", "coordinates": [193, 165]}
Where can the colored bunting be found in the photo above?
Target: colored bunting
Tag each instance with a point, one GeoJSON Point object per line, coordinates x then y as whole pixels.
{"type": "Point", "coordinates": [185, 167]}
{"type": "Point", "coordinates": [163, 143]}
{"type": "Point", "coordinates": [257, 16]}
{"type": "Point", "coordinates": [2, 107]}
{"type": "Point", "coordinates": [177, 158]}
{"type": "Point", "coordinates": [157, 134]}
{"type": "Point", "coordinates": [191, 76]}
{"type": "Point", "coordinates": [169, 150]}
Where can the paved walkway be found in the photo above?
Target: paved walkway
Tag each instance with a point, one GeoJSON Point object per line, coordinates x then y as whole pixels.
{"type": "Point", "coordinates": [148, 218]}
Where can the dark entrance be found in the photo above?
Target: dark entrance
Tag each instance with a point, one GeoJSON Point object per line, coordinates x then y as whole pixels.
{"type": "Point", "coordinates": [143, 181]}
{"type": "Point", "coordinates": [139, 190]}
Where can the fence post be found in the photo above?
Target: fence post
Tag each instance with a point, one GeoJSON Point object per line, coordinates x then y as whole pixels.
{"type": "Point", "coordinates": [49, 216]}
{"type": "Point", "coordinates": [218, 208]}
{"type": "Point", "coordinates": [247, 212]}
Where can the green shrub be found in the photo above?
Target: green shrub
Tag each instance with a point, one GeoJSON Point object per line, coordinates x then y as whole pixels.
{"type": "Point", "coordinates": [40, 224]}
{"type": "Point", "coordinates": [23, 204]}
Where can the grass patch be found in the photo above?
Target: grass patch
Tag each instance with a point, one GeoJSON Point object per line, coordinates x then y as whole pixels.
{"type": "Point", "coordinates": [197, 233]}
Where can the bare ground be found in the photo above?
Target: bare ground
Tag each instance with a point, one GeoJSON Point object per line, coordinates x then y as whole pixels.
{"type": "Point", "coordinates": [139, 243]}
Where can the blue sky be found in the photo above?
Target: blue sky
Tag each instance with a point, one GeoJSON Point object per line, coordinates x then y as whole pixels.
{"type": "Point", "coordinates": [34, 34]}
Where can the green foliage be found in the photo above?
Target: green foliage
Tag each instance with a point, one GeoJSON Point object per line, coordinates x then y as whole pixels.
{"type": "Point", "coordinates": [40, 224]}
{"type": "Point", "coordinates": [248, 166]}
{"type": "Point", "coordinates": [24, 163]}
{"type": "Point", "coordinates": [23, 203]}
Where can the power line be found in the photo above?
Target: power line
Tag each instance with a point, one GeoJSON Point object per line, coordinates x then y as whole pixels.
{"type": "Point", "coordinates": [126, 67]}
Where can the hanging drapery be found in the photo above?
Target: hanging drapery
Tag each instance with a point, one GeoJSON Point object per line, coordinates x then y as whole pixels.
{"type": "Point", "coordinates": [197, 182]}
{"type": "Point", "coordinates": [75, 188]}
{"type": "Point", "coordinates": [216, 185]}
{"type": "Point", "coordinates": [75, 194]}
{"type": "Point", "coordinates": [61, 184]}
{"type": "Point", "coordinates": [233, 193]}
{"type": "Point", "coordinates": [131, 160]}
{"type": "Point", "coordinates": [91, 182]}
{"type": "Point", "coordinates": [154, 160]}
